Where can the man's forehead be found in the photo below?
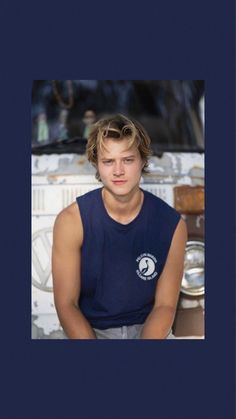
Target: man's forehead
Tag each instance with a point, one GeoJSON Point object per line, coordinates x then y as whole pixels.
{"type": "Point", "coordinates": [123, 147]}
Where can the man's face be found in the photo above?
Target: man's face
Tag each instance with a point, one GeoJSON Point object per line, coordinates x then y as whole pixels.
{"type": "Point", "coordinates": [119, 166]}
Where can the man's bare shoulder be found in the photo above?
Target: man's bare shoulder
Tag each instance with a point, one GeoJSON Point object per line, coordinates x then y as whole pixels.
{"type": "Point", "coordinates": [69, 214]}
{"type": "Point", "coordinates": [68, 222]}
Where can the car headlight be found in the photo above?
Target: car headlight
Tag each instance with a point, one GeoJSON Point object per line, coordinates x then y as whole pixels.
{"type": "Point", "coordinates": [194, 272]}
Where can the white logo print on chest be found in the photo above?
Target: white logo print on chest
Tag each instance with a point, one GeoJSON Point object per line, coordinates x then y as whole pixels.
{"type": "Point", "coordinates": [146, 266]}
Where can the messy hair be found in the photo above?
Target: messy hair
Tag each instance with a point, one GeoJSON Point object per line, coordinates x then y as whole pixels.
{"type": "Point", "coordinates": [118, 127]}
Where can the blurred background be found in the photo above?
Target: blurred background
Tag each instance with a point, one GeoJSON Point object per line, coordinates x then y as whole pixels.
{"type": "Point", "coordinates": [63, 111]}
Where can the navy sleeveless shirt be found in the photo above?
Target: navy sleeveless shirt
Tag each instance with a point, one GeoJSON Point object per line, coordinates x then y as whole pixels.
{"type": "Point", "coordinates": [121, 263]}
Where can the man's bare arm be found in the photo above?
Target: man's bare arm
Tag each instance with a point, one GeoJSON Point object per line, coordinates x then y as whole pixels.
{"type": "Point", "coordinates": [67, 241]}
{"type": "Point", "coordinates": [160, 319]}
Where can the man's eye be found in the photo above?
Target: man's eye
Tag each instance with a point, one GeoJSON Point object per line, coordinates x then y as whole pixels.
{"type": "Point", "coordinates": [129, 160]}
{"type": "Point", "coordinates": [107, 162]}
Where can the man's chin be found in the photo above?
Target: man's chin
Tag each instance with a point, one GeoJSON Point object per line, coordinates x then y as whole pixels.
{"type": "Point", "coordinates": [121, 190]}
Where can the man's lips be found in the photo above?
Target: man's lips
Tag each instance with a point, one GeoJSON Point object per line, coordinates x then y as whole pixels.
{"type": "Point", "coordinates": [119, 182]}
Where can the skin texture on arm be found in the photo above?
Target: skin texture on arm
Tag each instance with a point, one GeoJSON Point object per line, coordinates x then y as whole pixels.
{"type": "Point", "coordinates": [67, 241]}
{"type": "Point", "coordinates": [160, 319]}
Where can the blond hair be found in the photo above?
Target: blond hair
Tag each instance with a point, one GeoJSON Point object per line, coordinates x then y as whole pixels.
{"type": "Point", "coordinates": [118, 127]}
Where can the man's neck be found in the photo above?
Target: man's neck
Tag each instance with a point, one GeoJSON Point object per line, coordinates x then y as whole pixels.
{"type": "Point", "coordinates": [123, 208]}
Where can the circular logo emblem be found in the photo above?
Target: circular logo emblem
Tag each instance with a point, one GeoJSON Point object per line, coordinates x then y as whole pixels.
{"type": "Point", "coordinates": [41, 259]}
{"type": "Point", "coordinates": [146, 266]}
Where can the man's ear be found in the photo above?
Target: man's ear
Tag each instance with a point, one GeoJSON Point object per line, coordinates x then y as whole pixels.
{"type": "Point", "coordinates": [97, 175]}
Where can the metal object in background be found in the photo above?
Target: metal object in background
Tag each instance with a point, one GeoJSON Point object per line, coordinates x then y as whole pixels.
{"type": "Point", "coordinates": [194, 272]}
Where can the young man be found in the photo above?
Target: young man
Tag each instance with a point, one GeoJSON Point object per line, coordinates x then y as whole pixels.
{"type": "Point", "coordinates": [118, 251]}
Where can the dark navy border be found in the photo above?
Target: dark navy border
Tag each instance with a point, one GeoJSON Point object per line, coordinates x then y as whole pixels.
{"type": "Point", "coordinates": [159, 380]}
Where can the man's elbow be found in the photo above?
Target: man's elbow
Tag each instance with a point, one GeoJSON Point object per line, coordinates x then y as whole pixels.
{"type": "Point", "coordinates": [167, 309]}
{"type": "Point", "coordinates": [62, 305]}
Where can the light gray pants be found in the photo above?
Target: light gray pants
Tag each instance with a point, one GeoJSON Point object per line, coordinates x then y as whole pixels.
{"type": "Point", "coordinates": [124, 332]}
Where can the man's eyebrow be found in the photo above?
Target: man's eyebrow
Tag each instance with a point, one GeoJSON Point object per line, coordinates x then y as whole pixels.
{"type": "Point", "coordinates": [124, 157]}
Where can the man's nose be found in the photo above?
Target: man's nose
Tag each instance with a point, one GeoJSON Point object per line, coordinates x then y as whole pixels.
{"type": "Point", "coordinates": [118, 168]}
